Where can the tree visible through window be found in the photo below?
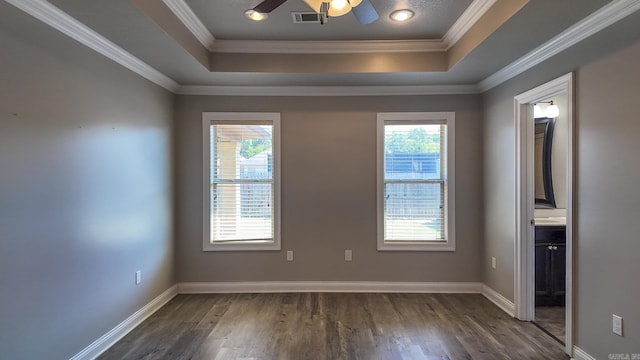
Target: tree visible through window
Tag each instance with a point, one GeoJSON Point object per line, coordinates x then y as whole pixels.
{"type": "Point", "coordinates": [414, 183]}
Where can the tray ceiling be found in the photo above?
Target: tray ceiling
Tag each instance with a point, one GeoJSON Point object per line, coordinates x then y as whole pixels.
{"type": "Point", "coordinates": [144, 38]}
{"type": "Point", "coordinates": [225, 20]}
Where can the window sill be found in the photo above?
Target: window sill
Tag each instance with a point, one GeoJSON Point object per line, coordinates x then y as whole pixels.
{"type": "Point", "coordinates": [417, 246]}
{"type": "Point", "coordinates": [244, 246]}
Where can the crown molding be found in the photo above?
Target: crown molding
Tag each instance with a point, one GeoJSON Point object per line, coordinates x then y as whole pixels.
{"type": "Point", "coordinates": [192, 22]}
{"type": "Point", "coordinates": [327, 47]}
{"type": "Point", "coordinates": [592, 24]}
{"type": "Point", "coordinates": [61, 21]}
{"type": "Point", "coordinates": [468, 18]}
{"type": "Point", "coordinates": [56, 18]}
{"type": "Point", "coordinates": [471, 15]}
{"type": "Point", "coordinates": [327, 90]}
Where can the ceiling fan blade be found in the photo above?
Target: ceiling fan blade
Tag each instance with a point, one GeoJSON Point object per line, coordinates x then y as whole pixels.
{"type": "Point", "coordinates": [268, 6]}
{"type": "Point", "coordinates": [365, 12]}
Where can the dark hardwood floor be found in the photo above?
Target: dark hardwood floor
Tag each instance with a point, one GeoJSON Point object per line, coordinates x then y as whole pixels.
{"type": "Point", "coordinates": [334, 326]}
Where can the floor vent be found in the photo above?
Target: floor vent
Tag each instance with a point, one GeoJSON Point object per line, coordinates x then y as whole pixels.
{"type": "Point", "coordinates": [305, 17]}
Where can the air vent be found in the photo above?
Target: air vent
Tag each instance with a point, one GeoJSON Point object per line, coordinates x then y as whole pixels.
{"type": "Point", "coordinates": [305, 17]}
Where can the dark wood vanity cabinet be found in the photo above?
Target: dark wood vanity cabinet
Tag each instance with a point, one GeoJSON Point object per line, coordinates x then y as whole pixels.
{"type": "Point", "coordinates": [550, 265]}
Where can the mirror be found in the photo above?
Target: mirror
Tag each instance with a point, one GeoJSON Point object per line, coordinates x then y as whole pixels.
{"type": "Point", "coordinates": [543, 181]}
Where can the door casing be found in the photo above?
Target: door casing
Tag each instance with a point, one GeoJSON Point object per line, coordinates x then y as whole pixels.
{"type": "Point", "coordinates": [524, 286]}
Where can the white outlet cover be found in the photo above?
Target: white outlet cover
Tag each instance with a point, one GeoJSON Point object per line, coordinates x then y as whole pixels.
{"type": "Point", "coordinates": [289, 255]}
{"type": "Point", "coordinates": [138, 277]}
{"type": "Point", "coordinates": [348, 255]}
{"type": "Point", "coordinates": [617, 324]}
{"type": "Point", "coordinates": [493, 262]}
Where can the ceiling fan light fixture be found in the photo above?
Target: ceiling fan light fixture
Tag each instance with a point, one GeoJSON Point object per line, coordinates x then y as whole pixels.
{"type": "Point", "coordinates": [364, 12]}
{"type": "Point", "coordinates": [401, 15]}
{"type": "Point", "coordinates": [338, 7]}
{"type": "Point", "coordinates": [255, 16]}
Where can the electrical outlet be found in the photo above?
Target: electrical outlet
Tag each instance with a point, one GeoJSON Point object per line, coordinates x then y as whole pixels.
{"type": "Point", "coordinates": [289, 255]}
{"type": "Point", "coordinates": [348, 255]}
{"type": "Point", "coordinates": [138, 277]}
{"type": "Point", "coordinates": [617, 325]}
{"type": "Point", "coordinates": [493, 262]}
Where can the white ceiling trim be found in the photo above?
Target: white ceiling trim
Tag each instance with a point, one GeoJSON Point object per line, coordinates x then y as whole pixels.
{"type": "Point", "coordinates": [470, 16]}
{"type": "Point", "coordinates": [327, 47]}
{"type": "Point", "coordinates": [61, 21]}
{"type": "Point", "coordinates": [192, 22]}
{"type": "Point", "coordinates": [327, 90]}
{"type": "Point", "coordinates": [58, 19]}
{"type": "Point", "coordinates": [599, 20]}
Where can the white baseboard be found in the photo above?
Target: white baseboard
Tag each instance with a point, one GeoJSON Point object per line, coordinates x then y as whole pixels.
{"type": "Point", "coordinates": [502, 302]}
{"type": "Point", "coordinates": [579, 354]}
{"type": "Point", "coordinates": [107, 340]}
{"type": "Point", "coordinates": [324, 286]}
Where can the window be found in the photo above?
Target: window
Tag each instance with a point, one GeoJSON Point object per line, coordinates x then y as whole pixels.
{"type": "Point", "coordinates": [415, 181]}
{"type": "Point", "coordinates": [241, 181]}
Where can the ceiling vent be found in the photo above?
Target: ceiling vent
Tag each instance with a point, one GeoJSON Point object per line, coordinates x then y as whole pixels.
{"type": "Point", "coordinates": [306, 17]}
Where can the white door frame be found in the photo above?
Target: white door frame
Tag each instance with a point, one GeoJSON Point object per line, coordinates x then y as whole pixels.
{"type": "Point", "coordinates": [525, 237]}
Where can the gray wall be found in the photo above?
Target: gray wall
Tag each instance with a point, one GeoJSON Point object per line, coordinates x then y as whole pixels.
{"type": "Point", "coordinates": [608, 203]}
{"type": "Point", "coordinates": [329, 193]}
{"type": "Point", "coordinates": [606, 242]}
{"type": "Point", "coordinates": [85, 191]}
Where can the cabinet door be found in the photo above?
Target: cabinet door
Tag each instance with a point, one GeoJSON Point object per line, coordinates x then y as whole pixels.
{"type": "Point", "coordinates": [543, 271]}
{"type": "Point", "coordinates": [558, 278]}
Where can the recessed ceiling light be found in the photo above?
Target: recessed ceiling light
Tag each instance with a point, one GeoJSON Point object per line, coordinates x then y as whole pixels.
{"type": "Point", "coordinates": [401, 15]}
{"type": "Point", "coordinates": [255, 16]}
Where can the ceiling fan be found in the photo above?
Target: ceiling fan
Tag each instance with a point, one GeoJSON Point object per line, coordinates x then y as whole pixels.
{"type": "Point", "coordinates": [364, 12]}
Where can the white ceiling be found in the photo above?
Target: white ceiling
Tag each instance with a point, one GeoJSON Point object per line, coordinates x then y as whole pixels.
{"type": "Point", "coordinates": [135, 34]}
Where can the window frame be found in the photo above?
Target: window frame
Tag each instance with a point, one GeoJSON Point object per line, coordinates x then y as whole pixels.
{"type": "Point", "coordinates": [400, 118]}
{"type": "Point", "coordinates": [231, 118]}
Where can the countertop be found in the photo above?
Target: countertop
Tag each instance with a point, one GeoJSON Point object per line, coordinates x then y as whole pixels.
{"type": "Point", "coordinates": [551, 221]}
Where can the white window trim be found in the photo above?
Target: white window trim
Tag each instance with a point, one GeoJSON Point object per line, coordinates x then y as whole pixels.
{"type": "Point", "coordinates": [207, 118]}
{"type": "Point", "coordinates": [418, 117]}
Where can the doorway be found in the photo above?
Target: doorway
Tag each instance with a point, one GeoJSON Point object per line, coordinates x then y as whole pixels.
{"type": "Point", "coordinates": [544, 235]}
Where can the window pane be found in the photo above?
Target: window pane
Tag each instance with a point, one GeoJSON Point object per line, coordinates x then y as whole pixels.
{"type": "Point", "coordinates": [241, 151]}
{"type": "Point", "coordinates": [414, 212]}
{"type": "Point", "coordinates": [241, 212]}
{"type": "Point", "coordinates": [413, 151]}
{"type": "Point", "coordinates": [241, 182]}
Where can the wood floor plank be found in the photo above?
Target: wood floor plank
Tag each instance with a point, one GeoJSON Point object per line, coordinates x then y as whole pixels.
{"type": "Point", "coordinates": [334, 326]}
